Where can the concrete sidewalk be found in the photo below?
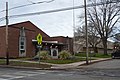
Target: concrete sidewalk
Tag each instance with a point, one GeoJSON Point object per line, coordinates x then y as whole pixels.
{"type": "Point", "coordinates": [76, 64]}
{"type": "Point", "coordinates": [59, 66]}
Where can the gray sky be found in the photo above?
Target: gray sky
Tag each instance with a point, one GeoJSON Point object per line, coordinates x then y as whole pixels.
{"type": "Point", "coordinates": [54, 24]}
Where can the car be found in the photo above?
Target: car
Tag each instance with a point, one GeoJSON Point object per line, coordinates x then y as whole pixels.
{"type": "Point", "coordinates": [115, 54]}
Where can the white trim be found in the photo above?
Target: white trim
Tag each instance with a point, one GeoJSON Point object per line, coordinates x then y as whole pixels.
{"type": "Point", "coordinates": [54, 57]}
{"type": "Point", "coordinates": [22, 54]}
{"type": "Point", "coordinates": [33, 40]}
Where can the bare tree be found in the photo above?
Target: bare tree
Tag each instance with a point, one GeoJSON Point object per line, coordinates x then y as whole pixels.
{"type": "Point", "coordinates": [93, 38]}
{"type": "Point", "coordinates": [117, 37]}
{"type": "Point", "coordinates": [104, 18]}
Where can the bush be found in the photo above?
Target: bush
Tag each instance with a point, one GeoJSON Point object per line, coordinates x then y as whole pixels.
{"type": "Point", "coordinates": [64, 54]}
{"type": "Point", "coordinates": [43, 55]}
{"type": "Point", "coordinates": [72, 58]}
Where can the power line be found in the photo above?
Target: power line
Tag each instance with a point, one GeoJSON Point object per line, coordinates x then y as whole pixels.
{"type": "Point", "coordinates": [1, 19]}
{"type": "Point", "coordinates": [32, 3]}
{"type": "Point", "coordinates": [39, 2]}
{"type": "Point", "coordinates": [58, 10]}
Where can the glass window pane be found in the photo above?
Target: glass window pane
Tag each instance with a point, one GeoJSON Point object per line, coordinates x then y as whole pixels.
{"type": "Point", "coordinates": [22, 43]}
{"type": "Point", "coordinates": [22, 47]}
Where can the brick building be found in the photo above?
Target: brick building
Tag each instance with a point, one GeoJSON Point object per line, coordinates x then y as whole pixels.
{"type": "Point", "coordinates": [22, 41]}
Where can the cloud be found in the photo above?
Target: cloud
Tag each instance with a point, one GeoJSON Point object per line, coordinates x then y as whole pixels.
{"type": "Point", "coordinates": [54, 24]}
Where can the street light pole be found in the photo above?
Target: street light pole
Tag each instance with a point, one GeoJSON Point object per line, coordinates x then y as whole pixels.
{"type": "Point", "coordinates": [86, 29]}
{"type": "Point", "coordinates": [7, 54]}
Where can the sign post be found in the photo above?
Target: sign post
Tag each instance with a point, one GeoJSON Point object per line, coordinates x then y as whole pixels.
{"type": "Point", "coordinates": [39, 40]}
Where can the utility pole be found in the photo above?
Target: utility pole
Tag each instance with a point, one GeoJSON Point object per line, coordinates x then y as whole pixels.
{"type": "Point", "coordinates": [7, 54]}
{"type": "Point", "coordinates": [86, 29]}
{"type": "Point", "coordinates": [73, 28]}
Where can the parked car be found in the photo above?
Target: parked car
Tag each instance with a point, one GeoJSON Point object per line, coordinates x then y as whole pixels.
{"type": "Point", "coordinates": [115, 54]}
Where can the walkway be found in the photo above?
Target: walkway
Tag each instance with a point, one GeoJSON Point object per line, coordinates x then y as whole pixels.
{"type": "Point", "coordinates": [76, 64]}
{"type": "Point", "coordinates": [66, 66]}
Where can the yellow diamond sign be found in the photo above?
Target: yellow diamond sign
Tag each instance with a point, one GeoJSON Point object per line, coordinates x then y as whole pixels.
{"type": "Point", "coordinates": [39, 38]}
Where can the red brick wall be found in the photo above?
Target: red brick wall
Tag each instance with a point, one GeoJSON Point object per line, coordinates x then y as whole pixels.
{"type": "Point", "coordinates": [30, 48]}
{"type": "Point", "coordinates": [59, 39]}
{"type": "Point", "coordinates": [2, 42]}
{"type": "Point", "coordinates": [13, 42]}
{"type": "Point", "coordinates": [31, 32]}
{"type": "Point", "coordinates": [66, 40]}
{"type": "Point", "coordinates": [30, 26]}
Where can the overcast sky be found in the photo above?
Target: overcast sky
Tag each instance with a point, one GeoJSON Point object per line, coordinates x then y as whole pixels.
{"type": "Point", "coordinates": [54, 24]}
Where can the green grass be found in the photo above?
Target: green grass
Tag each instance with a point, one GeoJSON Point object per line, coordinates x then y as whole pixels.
{"type": "Point", "coordinates": [24, 64]}
{"type": "Point", "coordinates": [2, 61]}
{"type": "Point", "coordinates": [67, 61]}
{"type": "Point", "coordinates": [81, 54]}
{"type": "Point", "coordinates": [102, 56]}
{"type": "Point", "coordinates": [58, 61]}
{"type": "Point", "coordinates": [97, 55]}
{"type": "Point", "coordinates": [53, 61]}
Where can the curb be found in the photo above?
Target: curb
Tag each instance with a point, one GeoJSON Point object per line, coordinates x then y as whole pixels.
{"type": "Point", "coordinates": [29, 68]}
{"type": "Point", "coordinates": [52, 68]}
{"type": "Point", "coordinates": [21, 67]}
{"type": "Point", "coordinates": [92, 62]}
{"type": "Point", "coordinates": [82, 64]}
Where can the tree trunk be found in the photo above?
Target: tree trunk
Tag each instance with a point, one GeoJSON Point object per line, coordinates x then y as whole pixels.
{"type": "Point", "coordinates": [104, 40]}
{"type": "Point", "coordinates": [95, 49]}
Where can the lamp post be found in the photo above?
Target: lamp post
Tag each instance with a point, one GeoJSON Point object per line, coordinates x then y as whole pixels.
{"type": "Point", "coordinates": [7, 54]}
{"type": "Point", "coordinates": [86, 29]}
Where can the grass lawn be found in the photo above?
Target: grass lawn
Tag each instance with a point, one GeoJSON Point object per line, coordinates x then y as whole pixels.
{"type": "Point", "coordinates": [58, 61]}
{"type": "Point", "coordinates": [53, 61]}
{"type": "Point", "coordinates": [97, 55]}
{"type": "Point", "coordinates": [24, 64]}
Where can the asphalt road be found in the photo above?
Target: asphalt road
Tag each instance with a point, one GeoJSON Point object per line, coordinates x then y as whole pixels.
{"type": "Point", "coordinates": [107, 70]}
{"type": "Point", "coordinates": [111, 64]}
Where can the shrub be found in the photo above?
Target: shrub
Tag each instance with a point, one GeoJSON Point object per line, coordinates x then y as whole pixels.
{"type": "Point", "coordinates": [43, 55]}
{"type": "Point", "coordinates": [64, 54]}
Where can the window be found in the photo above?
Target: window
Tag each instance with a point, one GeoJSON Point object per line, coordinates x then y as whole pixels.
{"type": "Point", "coordinates": [22, 47]}
{"type": "Point", "coordinates": [22, 31]}
{"type": "Point", "coordinates": [22, 41]}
